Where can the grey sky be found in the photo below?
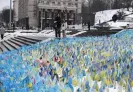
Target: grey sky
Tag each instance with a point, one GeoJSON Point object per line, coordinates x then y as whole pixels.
{"type": "Point", "coordinates": [4, 3]}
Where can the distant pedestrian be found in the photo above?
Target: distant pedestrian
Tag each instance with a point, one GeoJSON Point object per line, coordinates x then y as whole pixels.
{"type": "Point", "coordinates": [64, 28]}
{"type": "Point", "coordinates": [2, 31]}
{"type": "Point", "coordinates": [127, 27]}
{"type": "Point", "coordinates": [99, 21]}
{"type": "Point", "coordinates": [57, 26]}
{"type": "Point", "coordinates": [13, 27]}
{"type": "Point", "coordinates": [115, 17]}
{"type": "Point", "coordinates": [89, 25]}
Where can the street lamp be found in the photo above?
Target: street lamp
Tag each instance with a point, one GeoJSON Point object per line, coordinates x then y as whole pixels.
{"type": "Point", "coordinates": [10, 12]}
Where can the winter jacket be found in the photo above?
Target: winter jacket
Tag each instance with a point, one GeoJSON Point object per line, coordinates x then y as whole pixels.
{"type": "Point", "coordinates": [2, 30]}
{"type": "Point", "coordinates": [64, 26]}
{"type": "Point", "coordinates": [58, 22]}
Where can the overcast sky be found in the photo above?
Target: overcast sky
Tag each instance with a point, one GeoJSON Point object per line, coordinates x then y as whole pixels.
{"type": "Point", "coordinates": [4, 3]}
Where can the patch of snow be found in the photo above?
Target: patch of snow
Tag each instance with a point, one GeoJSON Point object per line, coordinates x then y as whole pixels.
{"type": "Point", "coordinates": [46, 40]}
{"type": "Point", "coordinates": [76, 27]}
{"type": "Point", "coordinates": [44, 33]}
{"type": "Point", "coordinates": [78, 33]}
{"type": "Point", "coordinates": [119, 24]}
{"type": "Point", "coordinates": [32, 31]}
{"type": "Point", "coordinates": [103, 16]}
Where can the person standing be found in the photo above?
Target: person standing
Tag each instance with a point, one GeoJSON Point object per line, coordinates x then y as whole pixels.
{"type": "Point", "coordinates": [64, 28]}
{"type": "Point", "coordinates": [115, 17]}
{"type": "Point", "coordinates": [57, 26]}
{"type": "Point", "coordinates": [127, 27]}
{"type": "Point", "coordinates": [13, 27]}
{"type": "Point", "coordinates": [2, 31]}
{"type": "Point", "coordinates": [88, 25]}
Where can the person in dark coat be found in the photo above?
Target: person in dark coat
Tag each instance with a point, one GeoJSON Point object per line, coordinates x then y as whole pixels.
{"type": "Point", "coordinates": [2, 31]}
{"type": "Point", "coordinates": [115, 17]}
{"type": "Point", "coordinates": [57, 26]}
{"type": "Point", "coordinates": [89, 25]}
{"type": "Point", "coordinates": [13, 26]}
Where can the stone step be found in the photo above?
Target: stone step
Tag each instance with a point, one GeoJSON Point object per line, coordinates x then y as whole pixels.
{"type": "Point", "coordinates": [1, 50]}
{"type": "Point", "coordinates": [15, 42]}
{"type": "Point", "coordinates": [9, 47]}
{"type": "Point", "coordinates": [31, 38]}
{"type": "Point", "coordinates": [3, 47]}
{"type": "Point", "coordinates": [15, 46]}
{"type": "Point", "coordinates": [27, 40]}
{"type": "Point", "coordinates": [21, 41]}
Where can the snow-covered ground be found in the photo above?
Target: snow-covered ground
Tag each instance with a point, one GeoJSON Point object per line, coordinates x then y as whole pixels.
{"type": "Point", "coordinates": [76, 27]}
{"type": "Point", "coordinates": [44, 33]}
{"type": "Point", "coordinates": [106, 15]}
{"type": "Point", "coordinates": [19, 33]}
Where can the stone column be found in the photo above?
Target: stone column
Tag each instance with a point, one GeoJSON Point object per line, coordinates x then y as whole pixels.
{"type": "Point", "coordinates": [52, 14]}
{"type": "Point", "coordinates": [68, 17]}
{"type": "Point", "coordinates": [74, 17]}
{"type": "Point", "coordinates": [39, 18]}
{"type": "Point", "coordinates": [52, 18]}
{"type": "Point", "coordinates": [45, 21]}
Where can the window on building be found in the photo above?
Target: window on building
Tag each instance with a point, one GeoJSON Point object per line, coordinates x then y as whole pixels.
{"type": "Point", "coordinates": [49, 14]}
{"type": "Point", "coordinates": [69, 0]}
{"type": "Point", "coordinates": [64, 3]}
{"type": "Point", "coordinates": [35, 1]}
{"type": "Point", "coordinates": [69, 4]}
{"type": "Point", "coordinates": [59, 3]}
{"type": "Point", "coordinates": [42, 1]}
{"type": "Point", "coordinates": [76, 4]}
{"type": "Point", "coordinates": [53, 2]}
{"type": "Point", "coordinates": [47, 2]}
{"type": "Point", "coordinates": [43, 12]}
{"type": "Point", "coordinates": [65, 16]}
{"type": "Point", "coordinates": [34, 10]}
{"type": "Point", "coordinates": [72, 16]}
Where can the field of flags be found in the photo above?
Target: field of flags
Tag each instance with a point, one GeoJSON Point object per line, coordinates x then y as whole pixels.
{"type": "Point", "coordinates": [87, 64]}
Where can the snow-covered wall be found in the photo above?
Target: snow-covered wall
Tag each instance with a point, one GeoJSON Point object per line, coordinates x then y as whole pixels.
{"type": "Point", "coordinates": [106, 15]}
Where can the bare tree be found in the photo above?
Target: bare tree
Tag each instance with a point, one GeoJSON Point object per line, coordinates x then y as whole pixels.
{"type": "Point", "coordinates": [109, 3]}
{"type": "Point", "coordinates": [5, 15]}
{"type": "Point", "coordinates": [128, 3]}
{"type": "Point", "coordinates": [117, 4]}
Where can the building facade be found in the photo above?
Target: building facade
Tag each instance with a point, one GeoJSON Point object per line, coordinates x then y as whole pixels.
{"type": "Point", "coordinates": [26, 13]}
{"type": "Point", "coordinates": [41, 13]}
{"type": "Point", "coordinates": [15, 13]}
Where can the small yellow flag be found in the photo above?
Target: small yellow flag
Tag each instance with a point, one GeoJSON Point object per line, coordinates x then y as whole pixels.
{"type": "Point", "coordinates": [29, 85]}
{"type": "Point", "coordinates": [131, 83]}
{"type": "Point", "coordinates": [75, 82]}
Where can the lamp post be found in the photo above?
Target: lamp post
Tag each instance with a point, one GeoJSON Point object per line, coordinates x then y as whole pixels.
{"type": "Point", "coordinates": [10, 12]}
